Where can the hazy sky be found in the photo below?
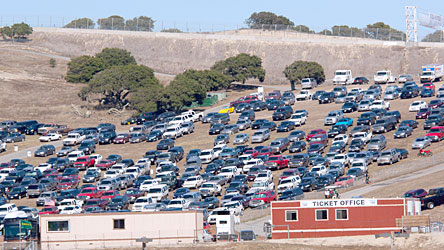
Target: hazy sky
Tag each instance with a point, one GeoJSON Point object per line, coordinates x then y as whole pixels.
{"type": "Point", "coordinates": [207, 15]}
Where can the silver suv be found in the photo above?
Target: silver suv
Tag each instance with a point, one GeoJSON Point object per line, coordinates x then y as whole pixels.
{"type": "Point", "coordinates": [260, 136]}
{"type": "Point", "coordinates": [108, 184]}
{"type": "Point", "coordinates": [333, 117]}
{"type": "Point", "coordinates": [377, 143]}
{"type": "Point", "coordinates": [389, 156]}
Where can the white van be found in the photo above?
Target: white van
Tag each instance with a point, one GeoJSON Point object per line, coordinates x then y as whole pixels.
{"type": "Point", "coordinates": [158, 192]}
{"type": "Point", "coordinates": [72, 157]}
{"type": "Point", "coordinates": [7, 209]}
{"type": "Point", "coordinates": [343, 77]}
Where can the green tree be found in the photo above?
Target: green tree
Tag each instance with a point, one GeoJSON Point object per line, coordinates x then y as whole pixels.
{"type": "Point", "coordinates": [81, 23]}
{"type": "Point", "coordinates": [326, 32]}
{"type": "Point", "coordinates": [16, 31]}
{"type": "Point", "coordinates": [111, 23]}
{"type": "Point", "coordinates": [82, 69]}
{"type": "Point", "coordinates": [118, 82]}
{"type": "Point", "coordinates": [171, 30]}
{"type": "Point", "coordinates": [210, 80]}
{"type": "Point", "coordinates": [303, 29]}
{"type": "Point", "coordinates": [142, 23]}
{"type": "Point", "coordinates": [344, 30]}
{"type": "Point", "coordinates": [181, 92]}
{"type": "Point", "coordinates": [115, 57]}
{"type": "Point", "coordinates": [268, 20]}
{"type": "Point", "coordinates": [436, 36]}
{"type": "Point", "coordinates": [382, 31]}
{"type": "Point", "coordinates": [241, 67]}
{"type": "Point", "coordinates": [298, 70]}
{"type": "Point", "coordinates": [149, 98]}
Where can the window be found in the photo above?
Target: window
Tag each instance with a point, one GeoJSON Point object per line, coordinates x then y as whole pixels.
{"type": "Point", "coordinates": [58, 226]}
{"type": "Point", "coordinates": [119, 224]}
{"type": "Point", "coordinates": [291, 215]}
{"type": "Point", "coordinates": [341, 214]}
{"type": "Point", "coordinates": [322, 214]}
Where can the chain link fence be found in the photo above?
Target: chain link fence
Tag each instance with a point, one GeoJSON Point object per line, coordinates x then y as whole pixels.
{"type": "Point", "coordinates": [144, 24]}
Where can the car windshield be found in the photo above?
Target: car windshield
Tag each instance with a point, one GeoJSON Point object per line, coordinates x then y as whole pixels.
{"type": "Point", "coordinates": [154, 190]}
{"type": "Point", "coordinates": [420, 139]}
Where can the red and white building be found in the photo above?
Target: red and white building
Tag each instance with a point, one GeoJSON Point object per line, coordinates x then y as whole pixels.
{"type": "Point", "coordinates": [339, 217]}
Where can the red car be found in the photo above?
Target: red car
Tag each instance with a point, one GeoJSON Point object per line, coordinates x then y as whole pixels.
{"type": "Point", "coordinates": [88, 193]}
{"type": "Point", "coordinates": [415, 193]}
{"type": "Point", "coordinates": [429, 85]}
{"type": "Point", "coordinates": [67, 183]}
{"type": "Point", "coordinates": [49, 172]}
{"type": "Point", "coordinates": [104, 164]}
{"type": "Point", "coordinates": [252, 152]}
{"type": "Point", "coordinates": [288, 173]}
{"type": "Point", "coordinates": [110, 194]}
{"type": "Point", "coordinates": [423, 113]}
{"type": "Point", "coordinates": [102, 203]}
{"type": "Point", "coordinates": [276, 162]}
{"type": "Point", "coordinates": [436, 134]}
{"type": "Point", "coordinates": [319, 139]}
{"type": "Point", "coordinates": [435, 103]}
{"type": "Point", "coordinates": [49, 210]}
{"type": "Point", "coordinates": [262, 198]}
{"type": "Point", "coordinates": [121, 139]}
{"type": "Point", "coordinates": [84, 162]}
{"type": "Point", "coordinates": [345, 181]}
{"type": "Point", "coordinates": [275, 94]}
{"type": "Point", "coordinates": [314, 133]}
{"type": "Point", "coordinates": [266, 151]}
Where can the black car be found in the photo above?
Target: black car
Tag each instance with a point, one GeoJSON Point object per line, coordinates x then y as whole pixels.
{"type": "Point", "coordinates": [282, 113]}
{"type": "Point", "coordinates": [91, 176]}
{"type": "Point", "coordinates": [115, 158]}
{"type": "Point", "coordinates": [177, 152]}
{"type": "Point", "coordinates": [20, 127]}
{"type": "Point", "coordinates": [258, 123]}
{"type": "Point", "coordinates": [148, 116]}
{"type": "Point", "coordinates": [275, 104]}
{"type": "Point", "coordinates": [337, 147]}
{"type": "Point", "coordinates": [324, 180]}
{"type": "Point", "coordinates": [17, 192]}
{"type": "Point", "coordinates": [237, 186]}
{"type": "Point", "coordinates": [44, 151]}
{"type": "Point", "coordinates": [410, 91]}
{"type": "Point", "coordinates": [395, 114]}
{"type": "Point", "coordinates": [216, 128]}
{"type": "Point", "coordinates": [433, 120]}
{"type": "Point", "coordinates": [356, 145]}
{"type": "Point", "coordinates": [349, 107]}
{"type": "Point", "coordinates": [318, 94]}
{"type": "Point", "coordinates": [128, 121]}
{"type": "Point", "coordinates": [292, 194]}
{"type": "Point", "coordinates": [154, 135]}
{"type": "Point", "coordinates": [88, 147]}
{"type": "Point", "coordinates": [213, 202]}
{"type": "Point", "coordinates": [307, 184]}
{"type": "Point", "coordinates": [152, 155]}
{"type": "Point", "coordinates": [286, 126]}
{"type": "Point", "coordinates": [410, 123]}
{"type": "Point", "coordinates": [165, 144]}
{"type": "Point", "coordinates": [337, 130]}
{"type": "Point", "coordinates": [140, 180]}
{"type": "Point", "coordinates": [120, 202]}
{"type": "Point", "coordinates": [107, 137]}
{"type": "Point", "coordinates": [165, 115]}
{"type": "Point", "coordinates": [316, 148]}
{"type": "Point", "coordinates": [212, 169]}
{"type": "Point", "coordinates": [402, 152]}
{"type": "Point", "coordinates": [327, 97]}
{"type": "Point", "coordinates": [367, 118]}
{"type": "Point", "coordinates": [259, 105]}
{"type": "Point", "coordinates": [299, 160]}
{"type": "Point", "coordinates": [297, 146]}
{"type": "Point", "coordinates": [247, 115]}
{"type": "Point", "coordinates": [360, 80]}
{"type": "Point", "coordinates": [32, 130]}
{"type": "Point", "coordinates": [241, 107]}
{"type": "Point", "coordinates": [62, 164]}
{"type": "Point", "coordinates": [220, 118]}
{"type": "Point", "coordinates": [106, 127]}
{"type": "Point", "coordinates": [269, 125]}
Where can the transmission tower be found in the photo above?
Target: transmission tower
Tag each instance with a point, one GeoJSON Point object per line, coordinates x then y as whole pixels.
{"type": "Point", "coordinates": [411, 25]}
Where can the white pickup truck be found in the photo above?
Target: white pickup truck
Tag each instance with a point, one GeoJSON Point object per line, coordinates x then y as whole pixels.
{"type": "Point", "coordinates": [73, 139]}
{"type": "Point", "coordinates": [384, 76]}
{"type": "Point", "coordinates": [303, 95]}
{"type": "Point", "coordinates": [364, 136]}
{"type": "Point", "coordinates": [195, 116]}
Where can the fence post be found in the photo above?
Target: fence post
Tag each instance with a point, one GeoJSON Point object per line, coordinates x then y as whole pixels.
{"type": "Point", "coordinates": [377, 32]}
{"type": "Point", "coordinates": [112, 23]}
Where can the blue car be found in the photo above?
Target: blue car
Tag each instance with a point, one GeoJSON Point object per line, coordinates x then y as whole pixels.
{"type": "Point", "coordinates": [345, 121]}
{"type": "Point", "coordinates": [180, 192]}
{"type": "Point", "coordinates": [292, 194]}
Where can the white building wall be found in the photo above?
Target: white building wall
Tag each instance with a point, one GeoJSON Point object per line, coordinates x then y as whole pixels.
{"type": "Point", "coordinates": [88, 231]}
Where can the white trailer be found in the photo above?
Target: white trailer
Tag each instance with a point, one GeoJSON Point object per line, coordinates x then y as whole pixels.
{"type": "Point", "coordinates": [432, 72]}
{"type": "Point", "coordinates": [343, 76]}
{"type": "Point", "coordinates": [384, 76]}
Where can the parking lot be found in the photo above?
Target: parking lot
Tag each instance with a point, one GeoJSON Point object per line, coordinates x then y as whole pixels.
{"type": "Point", "coordinates": [200, 139]}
